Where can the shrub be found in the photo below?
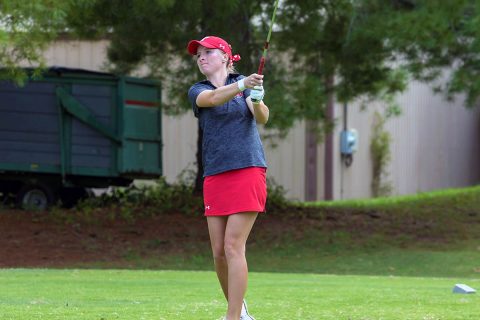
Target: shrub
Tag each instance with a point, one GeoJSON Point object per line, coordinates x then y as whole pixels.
{"type": "Point", "coordinates": [163, 198]}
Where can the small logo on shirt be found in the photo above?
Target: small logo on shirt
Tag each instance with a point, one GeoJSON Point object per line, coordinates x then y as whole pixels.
{"type": "Point", "coordinates": [239, 95]}
{"type": "Point", "coordinates": [207, 207]}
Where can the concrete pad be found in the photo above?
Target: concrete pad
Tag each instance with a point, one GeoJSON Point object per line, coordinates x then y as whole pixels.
{"type": "Point", "coordinates": [463, 288]}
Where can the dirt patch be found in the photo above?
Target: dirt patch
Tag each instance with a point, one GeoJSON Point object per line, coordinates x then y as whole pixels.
{"type": "Point", "coordinates": [30, 239]}
{"type": "Point", "coordinates": [36, 240]}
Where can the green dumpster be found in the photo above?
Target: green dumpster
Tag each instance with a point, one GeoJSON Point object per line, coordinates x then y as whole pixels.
{"type": "Point", "coordinates": [74, 129]}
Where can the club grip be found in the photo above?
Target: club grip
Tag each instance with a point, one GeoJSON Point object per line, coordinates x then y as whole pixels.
{"type": "Point", "coordinates": [260, 67]}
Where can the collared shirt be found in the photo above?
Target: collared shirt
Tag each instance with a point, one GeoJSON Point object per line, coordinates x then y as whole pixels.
{"type": "Point", "coordinates": [230, 135]}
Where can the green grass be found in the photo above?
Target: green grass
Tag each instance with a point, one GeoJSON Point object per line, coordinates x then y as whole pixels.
{"type": "Point", "coordinates": [429, 235]}
{"type": "Point", "coordinates": [454, 196]}
{"type": "Point", "coordinates": [432, 234]}
{"type": "Point", "coordinates": [390, 258]}
{"type": "Point", "coordinates": [122, 294]}
{"type": "Point", "coordinates": [394, 262]}
{"type": "Point", "coordinates": [461, 262]}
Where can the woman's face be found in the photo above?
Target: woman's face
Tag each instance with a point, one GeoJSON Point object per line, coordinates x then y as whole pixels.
{"type": "Point", "coordinates": [210, 60]}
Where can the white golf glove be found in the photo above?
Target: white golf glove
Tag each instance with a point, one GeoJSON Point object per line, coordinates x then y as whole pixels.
{"type": "Point", "coordinates": [257, 94]}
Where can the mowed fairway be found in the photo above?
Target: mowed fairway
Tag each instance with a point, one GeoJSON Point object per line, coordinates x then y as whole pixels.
{"type": "Point", "coordinates": [121, 294]}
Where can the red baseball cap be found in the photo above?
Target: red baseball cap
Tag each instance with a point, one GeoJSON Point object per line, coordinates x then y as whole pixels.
{"type": "Point", "coordinates": [212, 42]}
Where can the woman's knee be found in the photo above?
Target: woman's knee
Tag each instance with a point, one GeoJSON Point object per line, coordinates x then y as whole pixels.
{"type": "Point", "coordinates": [234, 248]}
{"type": "Point", "coordinates": [218, 252]}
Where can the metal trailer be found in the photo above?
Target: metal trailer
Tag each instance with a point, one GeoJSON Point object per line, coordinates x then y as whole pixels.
{"type": "Point", "coordinates": [75, 129]}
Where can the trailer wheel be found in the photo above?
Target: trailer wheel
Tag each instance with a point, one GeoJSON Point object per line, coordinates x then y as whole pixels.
{"type": "Point", "coordinates": [35, 197]}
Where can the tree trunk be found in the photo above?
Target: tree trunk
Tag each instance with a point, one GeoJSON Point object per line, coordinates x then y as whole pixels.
{"type": "Point", "coordinates": [311, 160]}
{"type": "Point", "coordinates": [329, 148]}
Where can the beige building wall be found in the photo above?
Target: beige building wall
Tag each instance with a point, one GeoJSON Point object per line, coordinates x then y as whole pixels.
{"type": "Point", "coordinates": [78, 54]}
{"type": "Point", "coordinates": [435, 143]}
{"type": "Point", "coordinates": [286, 161]}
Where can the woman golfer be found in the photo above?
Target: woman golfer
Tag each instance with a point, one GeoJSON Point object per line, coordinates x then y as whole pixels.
{"type": "Point", "coordinates": [228, 106]}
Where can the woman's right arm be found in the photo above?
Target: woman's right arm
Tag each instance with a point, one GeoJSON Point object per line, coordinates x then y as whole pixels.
{"type": "Point", "coordinates": [219, 96]}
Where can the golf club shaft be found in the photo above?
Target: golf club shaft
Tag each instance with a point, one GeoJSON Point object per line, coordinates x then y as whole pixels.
{"type": "Point", "coordinates": [265, 48]}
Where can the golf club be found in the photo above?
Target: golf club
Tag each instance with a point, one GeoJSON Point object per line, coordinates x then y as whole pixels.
{"type": "Point", "coordinates": [265, 48]}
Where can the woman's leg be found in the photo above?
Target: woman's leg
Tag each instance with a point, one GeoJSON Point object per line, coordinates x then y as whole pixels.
{"type": "Point", "coordinates": [216, 229]}
{"type": "Point", "coordinates": [236, 234]}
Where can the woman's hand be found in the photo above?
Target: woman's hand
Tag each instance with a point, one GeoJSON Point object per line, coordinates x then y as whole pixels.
{"type": "Point", "coordinates": [257, 94]}
{"type": "Point", "coordinates": [253, 80]}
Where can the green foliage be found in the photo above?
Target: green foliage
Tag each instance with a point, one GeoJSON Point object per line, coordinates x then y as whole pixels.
{"type": "Point", "coordinates": [156, 33]}
{"type": "Point", "coordinates": [360, 44]}
{"type": "Point", "coordinates": [336, 41]}
{"type": "Point", "coordinates": [134, 202]}
{"type": "Point", "coordinates": [276, 200]}
{"type": "Point", "coordinates": [381, 156]}
{"type": "Point", "coordinates": [26, 27]}
{"type": "Point", "coordinates": [155, 199]}
{"type": "Point", "coordinates": [441, 36]}
{"type": "Point", "coordinates": [314, 43]}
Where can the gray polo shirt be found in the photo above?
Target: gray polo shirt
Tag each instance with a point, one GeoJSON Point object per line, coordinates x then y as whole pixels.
{"type": "Point", "coordinates": [230, 135]}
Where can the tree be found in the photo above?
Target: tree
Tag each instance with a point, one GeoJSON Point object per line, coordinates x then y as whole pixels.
{"type": "Point", "coordinates": [372, 48]}
{"type": "Point", "coordinates": [156, 32]}
{"type": "Point", "coordinates": [26, 28]}
{"type": "Point", "coordinates": [441, 36]}
{"type": "Point", "coordinates": [321, 49]}
{"type": "Point", "coordinates": [313, 32]}
{"type": "Point", "coordinates": [369, 49]}
{"type": "Point", "coordinates": [336, 55]}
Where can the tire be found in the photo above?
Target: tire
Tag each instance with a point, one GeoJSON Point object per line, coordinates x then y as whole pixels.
{"type": "Point", "coordinates": [36, 196]}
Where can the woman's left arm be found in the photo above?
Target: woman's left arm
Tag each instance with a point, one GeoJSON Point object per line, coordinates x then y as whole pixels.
{"type": "Point", "coordinates": [257, 107]}
{"type": "Point", "coordinates": [259, 110]}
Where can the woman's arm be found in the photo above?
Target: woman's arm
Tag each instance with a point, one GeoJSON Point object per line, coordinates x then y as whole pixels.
{"type": "Point", "coordinates": [259, 110]}
{"type": "Point", "coordinates": [219, 96]}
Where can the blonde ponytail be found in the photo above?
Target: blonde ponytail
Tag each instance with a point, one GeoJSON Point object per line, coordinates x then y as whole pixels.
{"type": "Point", "coordinates": [230, 67]}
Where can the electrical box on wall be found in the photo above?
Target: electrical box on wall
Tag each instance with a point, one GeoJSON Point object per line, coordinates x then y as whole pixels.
{"type": "Point", "coordinates": [348, 141]}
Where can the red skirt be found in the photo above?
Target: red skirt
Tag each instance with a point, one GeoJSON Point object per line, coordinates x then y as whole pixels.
{"type": "Point", "coordinates": [230, 192]}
